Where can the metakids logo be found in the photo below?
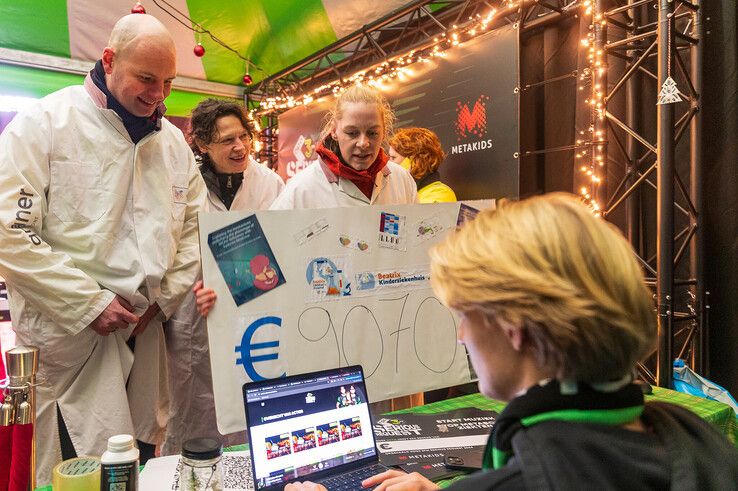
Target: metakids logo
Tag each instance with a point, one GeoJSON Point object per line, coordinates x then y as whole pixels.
{"type": "Point", "coordinates": [471, 122]}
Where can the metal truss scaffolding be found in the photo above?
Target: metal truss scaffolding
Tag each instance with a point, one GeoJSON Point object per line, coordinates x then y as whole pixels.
{"type": "Point", "coordinates": [647, 51]}
{"type": "Point", "coordinates": [651, 54]}
{"type": "Point", "coordinates": [415, 27]}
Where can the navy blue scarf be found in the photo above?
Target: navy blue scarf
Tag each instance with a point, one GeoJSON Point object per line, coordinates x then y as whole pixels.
{"type": "Point", "coordinates": [137, 126]}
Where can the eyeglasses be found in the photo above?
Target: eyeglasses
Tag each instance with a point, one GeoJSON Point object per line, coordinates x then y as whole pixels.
{"type": "Point", "coordinates": [231, 140]}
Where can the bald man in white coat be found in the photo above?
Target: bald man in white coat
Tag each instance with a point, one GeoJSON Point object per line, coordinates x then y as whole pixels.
{"type": "Point", "coordinates": [98, 221]}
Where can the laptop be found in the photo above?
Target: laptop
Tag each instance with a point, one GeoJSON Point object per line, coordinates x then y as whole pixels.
{"type": "Point", "coordinates": [311, 427]}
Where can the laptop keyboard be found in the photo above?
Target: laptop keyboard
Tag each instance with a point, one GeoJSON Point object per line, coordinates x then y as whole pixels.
{"type": "Point", "coordinates": [351, 481]}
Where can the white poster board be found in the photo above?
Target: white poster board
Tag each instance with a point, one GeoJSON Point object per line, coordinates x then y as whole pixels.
{"type": "Point", "coordinates": [304, 290]}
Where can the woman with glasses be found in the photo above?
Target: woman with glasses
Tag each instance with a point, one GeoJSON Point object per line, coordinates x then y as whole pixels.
{"type": "Point", "coordinates": [221, 138]}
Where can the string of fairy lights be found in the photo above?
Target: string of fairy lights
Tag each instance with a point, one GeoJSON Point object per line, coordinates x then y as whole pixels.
{"type": "Point", "coordinates": [388, 70]}
{"type": "Point", "coordinates": [590, 153]}
{"type": "Point", "coordinates": [593, 141]}
{"type": "Point", "coordinates": [590, 145]}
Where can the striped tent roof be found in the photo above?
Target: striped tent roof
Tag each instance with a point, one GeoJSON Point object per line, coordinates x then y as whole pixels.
{"type": "Point", "coordinates": [274, 34]}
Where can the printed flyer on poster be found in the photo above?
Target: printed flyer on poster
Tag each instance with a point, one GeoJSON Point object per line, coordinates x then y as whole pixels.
{"type": "Point", "coordinates": [245, 259]}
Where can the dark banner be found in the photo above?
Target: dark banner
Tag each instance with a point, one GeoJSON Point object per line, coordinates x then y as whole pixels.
{"type": "Point", "coordinates": [469, 98]}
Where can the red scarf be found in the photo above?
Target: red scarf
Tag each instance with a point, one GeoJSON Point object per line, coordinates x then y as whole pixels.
{"type": "Point", "coordinates": [364, 179]}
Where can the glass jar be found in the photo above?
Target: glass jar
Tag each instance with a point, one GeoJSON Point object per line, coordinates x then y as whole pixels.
{"type": "Point", "coordinates": [201, 468]}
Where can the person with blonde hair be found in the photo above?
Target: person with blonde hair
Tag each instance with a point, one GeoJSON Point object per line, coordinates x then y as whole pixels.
{"type": "Point", "coordinates": [419, 150]}
{"type": "Point", "coordinates": [555, 315]}
{"type": "Point", "coordinates": [353, 169]}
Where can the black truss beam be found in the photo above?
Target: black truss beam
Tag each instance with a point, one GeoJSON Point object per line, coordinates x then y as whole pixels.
{"type": "Point", "coordinates": [678, 196]}
{"type": "Point", "coordinates": [419, 26]}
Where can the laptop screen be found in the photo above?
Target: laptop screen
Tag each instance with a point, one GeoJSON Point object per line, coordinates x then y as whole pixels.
{"type": "Point", "coordinates": [305, 424]}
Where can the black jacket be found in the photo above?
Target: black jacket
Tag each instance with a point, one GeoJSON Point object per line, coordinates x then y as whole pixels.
{"type": "Point", "coordinates": [683, 452]}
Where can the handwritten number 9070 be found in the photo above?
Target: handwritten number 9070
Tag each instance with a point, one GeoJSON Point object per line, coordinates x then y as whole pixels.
{"type": "Point", "coordinates": [316, 330]}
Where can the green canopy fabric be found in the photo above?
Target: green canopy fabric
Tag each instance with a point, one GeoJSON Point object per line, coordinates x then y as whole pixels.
{"type": "Point", "coordinates": [274, 34]}
{"type": "Point", "coordinates": [32, 82]}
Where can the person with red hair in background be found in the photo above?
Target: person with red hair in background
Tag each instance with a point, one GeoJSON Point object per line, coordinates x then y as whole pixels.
{"type": "Point", "coordinates": [419, 150]}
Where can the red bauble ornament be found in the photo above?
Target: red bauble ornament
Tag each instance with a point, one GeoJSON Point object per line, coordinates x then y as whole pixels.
{"type": "Point", "coordinates": [199, 50]}
{"type": "Point", "coordinates": [247, 79]}
{"type": "Point", "coordinates": [138, 9]}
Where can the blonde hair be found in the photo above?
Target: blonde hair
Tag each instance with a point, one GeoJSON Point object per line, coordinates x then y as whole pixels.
{"type": "Point", "coordinates": [361, 94]}
{"type": "Point", "coordinates": [422, 147]}
{"type": "Point", "coordinates": [548, 266]}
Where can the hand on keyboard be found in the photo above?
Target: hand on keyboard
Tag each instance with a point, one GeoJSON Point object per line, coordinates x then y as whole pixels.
{"type": "Point", "coordinates": [386, 481]}
{"type": "Point", "coordinates": [398, 481]}
{"type": "Point", "coordinates": [304, 486]}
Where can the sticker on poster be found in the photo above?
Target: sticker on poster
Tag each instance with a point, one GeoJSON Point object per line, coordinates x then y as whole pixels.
{"type": "Point", "coordinates": [327, 278]}
{"type": "Point", "coordinates": [350, 242]}
{"type": "Point", "coordinates": [427, 228]}
{"type": "Point", "coordinates": [392, 231]}
{"type": "Point", "coordinates": [311, 231]}
{"type": "Point", "coordinates": [374, 282]}
{"type": "Point", "coordinates": [245, 259]}
{"type": "Point", "coordinates": [365, 283]}
{"type": "Point", "coordinates": [466, 214]}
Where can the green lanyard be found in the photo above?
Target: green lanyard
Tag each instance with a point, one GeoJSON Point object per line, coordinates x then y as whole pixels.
{"type": "Point", "coordinates": [495, 458]}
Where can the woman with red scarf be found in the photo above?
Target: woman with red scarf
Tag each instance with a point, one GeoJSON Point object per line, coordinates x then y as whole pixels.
{"type": "Point", "coordinates": [353, 169]}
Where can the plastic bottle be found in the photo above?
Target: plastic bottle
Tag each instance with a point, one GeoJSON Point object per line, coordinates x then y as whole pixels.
{"type": "Point", "coordinates": [119, 465]}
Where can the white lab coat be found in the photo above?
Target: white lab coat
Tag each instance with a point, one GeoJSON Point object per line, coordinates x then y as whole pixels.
{"type": "Point", "coordinates": [85, 214]}
{"type": "Point", "coordinates": [192, 409]}
{"type": "Point", "coordinates": [259, 188]}
{"type": "Point", "coordinates": [317, 187]}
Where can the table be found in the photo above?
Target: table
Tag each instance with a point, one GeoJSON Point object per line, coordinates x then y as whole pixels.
{"type": "Point", "coordinates": [720, 415]}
